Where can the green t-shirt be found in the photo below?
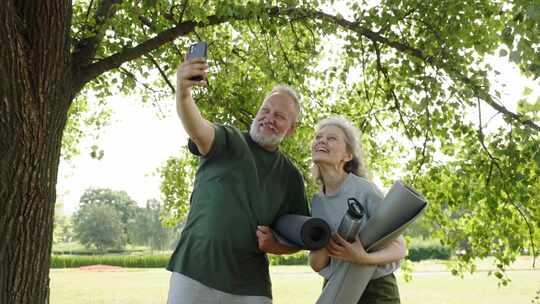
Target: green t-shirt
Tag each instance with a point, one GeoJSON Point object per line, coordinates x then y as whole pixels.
{"type": "Point", "coordinates": [238, 187]}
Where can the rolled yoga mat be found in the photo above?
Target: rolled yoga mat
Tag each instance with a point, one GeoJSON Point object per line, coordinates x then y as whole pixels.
{"type": "Point", "coordinates": [304, 232]}
{"type": "Point", "coordinates": [399, 208]}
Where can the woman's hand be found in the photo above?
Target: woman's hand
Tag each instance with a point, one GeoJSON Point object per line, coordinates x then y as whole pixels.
{"type": "Point", "coordinates": [339, 248]}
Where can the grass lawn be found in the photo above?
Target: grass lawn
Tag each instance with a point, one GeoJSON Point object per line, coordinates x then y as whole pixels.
{"type": "Point", "coordinates": [295, 284]}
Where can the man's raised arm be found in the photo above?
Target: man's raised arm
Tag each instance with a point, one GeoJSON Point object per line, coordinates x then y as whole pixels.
{"type": "Point", "coordinates": [200, 130]}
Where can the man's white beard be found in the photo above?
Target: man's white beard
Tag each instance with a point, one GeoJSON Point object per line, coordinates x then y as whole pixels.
{"type": "Point", "coordinates": [262, 139]}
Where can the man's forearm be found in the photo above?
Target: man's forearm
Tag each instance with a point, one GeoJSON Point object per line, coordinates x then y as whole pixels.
{"type": "Point", "coordinates": [199, 129]}
{"type": "Point", "coordinates": [279, 248]}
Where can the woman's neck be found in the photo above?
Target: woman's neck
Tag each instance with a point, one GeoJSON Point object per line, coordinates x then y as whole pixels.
{"type": "Point", "coordinates": [333, 178]}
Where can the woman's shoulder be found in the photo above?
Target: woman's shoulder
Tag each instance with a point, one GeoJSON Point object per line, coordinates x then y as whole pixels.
{"type": "Point", "coordinates": [358, 179]}
{"type": "Point", "coordinates": [364, 186]}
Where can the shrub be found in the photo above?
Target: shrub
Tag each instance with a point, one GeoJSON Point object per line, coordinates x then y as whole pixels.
{"type": "Point", "coordinates": [73, 261]}
{"type": "Point", "coordinates": [299, 258]}
{"type": "Point", "coordinates": [418, 250]}
{"type": "Point", "coordinates": [428, 250]}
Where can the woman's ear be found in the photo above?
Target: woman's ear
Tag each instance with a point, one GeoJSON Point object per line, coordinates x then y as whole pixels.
{"type": "Point", "coordinates": [349, 157]}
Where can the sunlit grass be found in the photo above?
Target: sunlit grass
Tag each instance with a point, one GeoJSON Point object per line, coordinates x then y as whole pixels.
{"type": "Point", "coordinates": [296, 284]}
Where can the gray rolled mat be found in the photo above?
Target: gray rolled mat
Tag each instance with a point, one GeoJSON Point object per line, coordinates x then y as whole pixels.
{"type": "Point", "coordinates": [399, 208]}
{"type": "Point", "coordinates": [346, 283]}
{"type": "Point", "coordinates": [305, 232]}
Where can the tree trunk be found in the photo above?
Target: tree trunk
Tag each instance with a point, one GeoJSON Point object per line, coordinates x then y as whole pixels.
{"type": "Point", "coordinates": [35, 94]}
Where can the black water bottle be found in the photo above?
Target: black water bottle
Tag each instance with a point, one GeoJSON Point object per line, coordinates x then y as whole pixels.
{"type": "Point", "coordinates": [352, 220]}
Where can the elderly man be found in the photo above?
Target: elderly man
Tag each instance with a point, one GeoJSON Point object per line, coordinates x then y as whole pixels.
{"type": "Point", "coordinates": [243, 184]}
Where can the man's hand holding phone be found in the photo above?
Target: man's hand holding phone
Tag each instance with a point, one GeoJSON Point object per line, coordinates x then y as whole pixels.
{"type": "Point", "coordinates": [194, 69]}
{"type": "Point", "coordinates": [189, 73]}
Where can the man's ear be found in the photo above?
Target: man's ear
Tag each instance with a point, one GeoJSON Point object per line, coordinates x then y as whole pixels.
{"type": "Point", "coordinates": [292, 129]}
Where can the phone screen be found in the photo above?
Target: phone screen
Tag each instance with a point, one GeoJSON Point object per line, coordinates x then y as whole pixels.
{"type": "Point", "coordinates": [197, 50]}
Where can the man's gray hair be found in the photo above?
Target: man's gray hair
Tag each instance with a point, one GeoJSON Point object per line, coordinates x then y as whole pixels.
{"type": "Point", "coordinates": [289, 91]}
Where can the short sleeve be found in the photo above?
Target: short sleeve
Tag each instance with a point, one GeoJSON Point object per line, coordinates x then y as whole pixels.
{"type": "Point", "coordinates": [219, 144]}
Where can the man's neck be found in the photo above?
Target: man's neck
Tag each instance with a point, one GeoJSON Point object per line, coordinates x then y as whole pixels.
{"type": "Point", "coordinates": [270, 148]}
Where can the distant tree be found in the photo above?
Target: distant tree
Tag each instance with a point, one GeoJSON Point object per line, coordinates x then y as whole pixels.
{"type": "Point", "coordinates": [119, 200]}
{"type": "Point", "coordinates": [99, 226]}
{"type": "Point", "coordinates": [63, 229]}
{"type": "Point", "coordinates": [137, 227]}
{"type": "Point", "coordinates": [147, 229]}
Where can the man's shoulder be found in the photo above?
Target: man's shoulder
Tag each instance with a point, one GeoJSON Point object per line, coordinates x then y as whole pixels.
{"type": "Point", "coordinates": [229, 129]}
{"type": "Point", "coordinates": [231, 134]}
{"type": "Point", "coordinates": [289, 162]}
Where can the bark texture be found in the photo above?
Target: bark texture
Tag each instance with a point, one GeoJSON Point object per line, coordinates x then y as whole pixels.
{"type": "Point", "coordinates": [35, 94]}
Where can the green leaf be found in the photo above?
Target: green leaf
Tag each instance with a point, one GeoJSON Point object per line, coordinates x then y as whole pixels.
{"type": "Point", "coordinates": [534, 12]}
{"type": "Point", "coordinates": [537, 158]}
{"type": "Point", "coordinates": [515, 56]}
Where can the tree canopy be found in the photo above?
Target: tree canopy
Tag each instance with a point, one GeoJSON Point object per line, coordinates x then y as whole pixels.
{"type": "Point", "coordinates": [118, 200]}
{"type": "Point", "coordinates": [146, 228]}
{"type": "Point", "coordinates": [411, 74]}
{"type": "Point", "coordinates": [99, 226]}
{"type": "Point", "coordinates": [415, 78]}
{"type": "Point", "coordinates": [102, 218]}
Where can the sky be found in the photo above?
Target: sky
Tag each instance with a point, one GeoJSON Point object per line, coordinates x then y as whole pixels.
{"type": "Point", "coordinates": [138, 141]}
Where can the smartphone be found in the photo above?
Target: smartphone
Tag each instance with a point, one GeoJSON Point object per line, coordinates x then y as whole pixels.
{"type": "Point", "coordinates": [197, 50]}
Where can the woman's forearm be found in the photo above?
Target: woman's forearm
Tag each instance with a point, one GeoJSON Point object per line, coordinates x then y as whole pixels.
{"type": "Point", "coordinates": [394, 252]}
{"type": "Point", "coordinates": [318, 259]}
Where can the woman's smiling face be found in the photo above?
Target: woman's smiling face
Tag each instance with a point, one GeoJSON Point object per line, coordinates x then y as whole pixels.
{"type": "Point", "coordinates": [329, 147]}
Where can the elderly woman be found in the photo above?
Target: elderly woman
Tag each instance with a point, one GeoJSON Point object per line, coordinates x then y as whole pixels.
{"type": "Point", "coordinates": [339, 168]}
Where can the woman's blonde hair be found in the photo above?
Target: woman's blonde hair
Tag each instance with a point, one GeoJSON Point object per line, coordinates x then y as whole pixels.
{"type": "Point", "coordinates": [353, 145]}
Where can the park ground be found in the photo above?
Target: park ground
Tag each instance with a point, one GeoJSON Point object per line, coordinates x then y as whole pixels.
{"type": "Point", "coordinates": [431, 283]}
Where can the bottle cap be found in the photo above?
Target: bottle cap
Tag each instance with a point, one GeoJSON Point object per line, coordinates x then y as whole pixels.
{"type": "Point", "coordinates": [356, 209]}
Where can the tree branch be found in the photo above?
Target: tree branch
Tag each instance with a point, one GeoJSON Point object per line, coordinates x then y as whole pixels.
{"type": "Point", "coordinates": [85, 50]}
{"type": "Point", "coordinates": [417, 53]}
{"type": "Point", "coordinates": [162, 73]}
{"type": "Point", "coordinates": [87, 73]}
{"type": "Point", "coordinates": [88, 10]}
{"type": "Point", "coordinates": [391, 92]}
{"type": "Point", "coordinates": [267, 47]}
{"type": "Point", "coordinates": [146, 86]}
{"type": "Point", "coordinates": [494, 161]}
{"type": "Point", "coordinates": [424, 146]}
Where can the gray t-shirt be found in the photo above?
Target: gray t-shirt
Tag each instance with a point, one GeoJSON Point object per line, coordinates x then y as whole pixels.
{"type": "Point", "coordinates": [332, 208]}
